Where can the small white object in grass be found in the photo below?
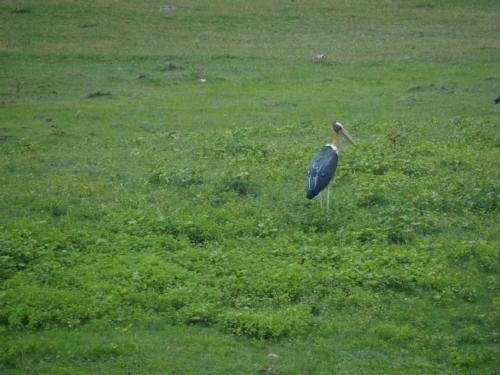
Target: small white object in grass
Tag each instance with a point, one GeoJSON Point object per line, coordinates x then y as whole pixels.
{"type": "Point", "coordinates": [273, 355]}
{"type": "Point", "coordinates": [203, 80]}
{"type": "Point", "coordinates": [319, 56]}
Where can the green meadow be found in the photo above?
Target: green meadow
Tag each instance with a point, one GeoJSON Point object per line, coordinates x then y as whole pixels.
{"type": "Point", "coordinates": [153, 165]}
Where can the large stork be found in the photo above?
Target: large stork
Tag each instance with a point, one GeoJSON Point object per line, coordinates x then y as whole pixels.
{"type": "Point", "coordinates": [324, 164]}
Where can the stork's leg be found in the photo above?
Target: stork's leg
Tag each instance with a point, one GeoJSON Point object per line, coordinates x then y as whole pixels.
{"type": "Point", "coordinates": [328, 198]}
{"type": "Point", "coordinates": [321, 199]}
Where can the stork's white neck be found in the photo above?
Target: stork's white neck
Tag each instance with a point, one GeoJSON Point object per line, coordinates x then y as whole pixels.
{"type": "Point", "coordinates": [333, 147]}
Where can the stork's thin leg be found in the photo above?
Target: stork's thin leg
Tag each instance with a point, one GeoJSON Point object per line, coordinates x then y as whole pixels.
{"type": "Point", "coordinates": [328, 198]}
{"type": "Point", "coordinates": [321, 199]}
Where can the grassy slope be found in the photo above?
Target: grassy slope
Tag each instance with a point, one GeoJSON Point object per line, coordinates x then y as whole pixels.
{"type": "Point", "coordinates": [177, 202]}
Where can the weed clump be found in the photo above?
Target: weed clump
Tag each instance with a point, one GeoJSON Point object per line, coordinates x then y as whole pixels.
{"type": "Point", "coordinates": [170, 67]}
{"type": "Point", "coordinates": [239, 183]}
{"type": "Point", "coordinates": [97, 94]}
{"type": "Point", "coordinates": [179, 177]}
{"type": "Point", "coordinates": [269, 324]}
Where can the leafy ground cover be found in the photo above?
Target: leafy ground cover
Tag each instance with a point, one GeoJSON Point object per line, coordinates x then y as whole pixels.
{"type": "Point", "coordinates": [153, 161]}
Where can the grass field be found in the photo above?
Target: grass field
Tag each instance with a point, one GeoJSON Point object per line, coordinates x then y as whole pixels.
{"type": "Point", "coordinates": [153, 160]}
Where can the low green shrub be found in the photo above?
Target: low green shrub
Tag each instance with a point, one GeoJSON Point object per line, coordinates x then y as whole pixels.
{"type": "Point", "coordinates": [36, 307]}
{"type": "Point", "coordinates": [394, 333]}
{"type": "Point", "coordinates": [179, 177]}
{"type": "Point", "coordinates": [19, 248]}
{"type": "Point", "coordinates": [240, 183]}
{"type": "Point", "coordinates": [270, 323]}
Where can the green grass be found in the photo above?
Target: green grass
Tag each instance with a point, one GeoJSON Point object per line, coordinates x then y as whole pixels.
{"type": "Point", "coordinates": [163, 228]}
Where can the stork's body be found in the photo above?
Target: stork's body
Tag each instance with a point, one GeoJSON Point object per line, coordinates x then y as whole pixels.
{"type": "Point", "coordinates": [321, 170]}
{"type": "Point", "coordinates": [323, 166]}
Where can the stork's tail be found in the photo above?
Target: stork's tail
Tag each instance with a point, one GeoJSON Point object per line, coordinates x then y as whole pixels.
{"type": "Point", "coordinates": [312, 181]}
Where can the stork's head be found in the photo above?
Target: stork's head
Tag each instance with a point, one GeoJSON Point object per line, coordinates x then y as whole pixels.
{"type": "Point", "coordinates": [338, 128]}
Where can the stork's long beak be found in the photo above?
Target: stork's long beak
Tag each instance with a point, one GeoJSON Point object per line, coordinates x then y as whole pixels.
{"type": "Point", "coordinates": [347, 136]}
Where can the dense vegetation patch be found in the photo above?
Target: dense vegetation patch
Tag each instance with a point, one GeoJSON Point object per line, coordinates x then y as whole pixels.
{"type": "Point", "coordinates": [256, 264]}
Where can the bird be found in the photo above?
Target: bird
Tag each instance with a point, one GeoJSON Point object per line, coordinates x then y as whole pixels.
{"type": "Point", "coordinates": [323, 166]}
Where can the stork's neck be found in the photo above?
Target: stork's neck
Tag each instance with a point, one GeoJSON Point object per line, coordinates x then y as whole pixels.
{"type": "Point", "coordinates": [336, 140]}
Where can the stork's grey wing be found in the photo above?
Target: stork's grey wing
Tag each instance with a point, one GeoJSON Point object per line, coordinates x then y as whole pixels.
{"type": "Point", "coordinates": [321, 171]}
